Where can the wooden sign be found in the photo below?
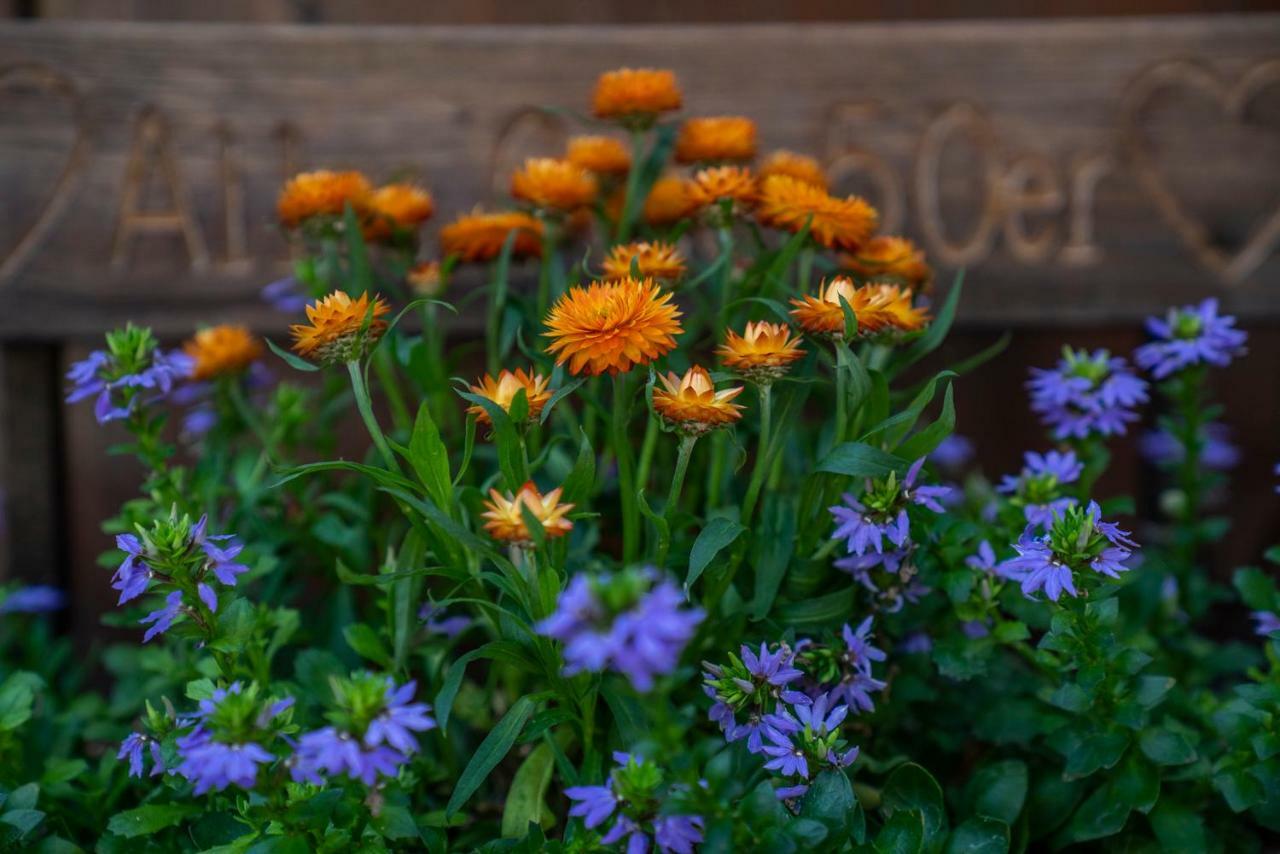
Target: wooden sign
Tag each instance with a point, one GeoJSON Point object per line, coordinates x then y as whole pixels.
{"type": "Point", "coordinates": [1081, 171]}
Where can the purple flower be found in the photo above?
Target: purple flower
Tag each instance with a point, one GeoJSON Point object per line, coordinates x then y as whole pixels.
{"type": "Point", "coordinates": [285, 295]}
{"type": "Point", "coordinates": [132, 748]}
{"type": "Point", "coordinates": [953, 452]}
{"type": "Point", "coordinates": [641, 642]}
{"type": "Point", "coordinates": [1058, 467]}
{"type": "Point", "coordinates": [860, 653]}
{"type": "Point", "coordinates": [925, 496]}
{"type": "Point", "coordinates": [222, 559]}
{"type": "Point", "coordinates": [211, 764]}
{"type": "Point", "coordinates": [822, 716]}
{"type": "Point", "coordinates": [35, 599]}
{"type": "Point", "coordinates": [677, 833]}
{"type": "Point", "coordinates": [1038, 568]}
{"type": "Point", "coordinates": [1187, 336]}
{"type": "Point", "coordinates": [786, 793]}
{"type": "Point", "coordinates": [1163, 448]}
{"type": "Point", "coordinates": [94, 376]}
{"type": "Point", "coordinates": [1267, 623]}
{"type": "Point", "coordinates": [433, 616]}
{"type": "Point", "coordinates": [385, 745]}
{"type": "Point", "coordinates": [784, 757]}
{"type": "Point", "coordinates": [163, 618]}
{"type": "Point", "coordinates": [134, 575]}
{"type": "Point", "coordinates": [593, 804]}
{"type": "Point", "coordinates": [861, 531]}
{"type": "Point", "coordinates": [984, 559]}
{"type": "Point", "coordinates": [773, 668]}
{"type": "Point", "coordinates": [399, 719]}
{"type": "Point", "coordinates": [1086, 394]}
{"type": "Point", "coordinates": [1077, 538]}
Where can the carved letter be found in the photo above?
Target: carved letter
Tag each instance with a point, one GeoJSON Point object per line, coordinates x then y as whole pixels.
{"type": "Point", "coordinates": [1086, 172]}
{"type": "Point", "coordinates": [237, 244]}
{"type": "Point", "coordinates": [960, 118]}
{"type": "Point", "coordinates": [1030, 186]}
{"type": "Point", "coordinates": [151, 148]}
{"type": "Point", "coordinates": [844, 160]}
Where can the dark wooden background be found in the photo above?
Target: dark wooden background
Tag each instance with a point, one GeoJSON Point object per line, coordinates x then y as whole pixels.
{"type": "Point", "coordinates": [58, 483]}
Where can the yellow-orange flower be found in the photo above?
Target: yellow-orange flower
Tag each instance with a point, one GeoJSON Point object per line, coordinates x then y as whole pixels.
{"type": "Point", "coordinates": [798, 166]}
{"type": "Point", "coordinates": [335, 331]}
{"type": "Point", "coordinates": [479, 236]}
{"type": "Point", "coordinates": [762, 353]}
{"type": "Point", "coordinates": [878, 307]}
{"type": "Point", "coordinates": [425, 278]}
{"type": "Point", "coordinates": [895, 257]}
{"type": "Point", "coordinates": [397, 207]}
{"type": "Point", "coordinates": [669, 201]}
{"type": "Point", "coordinates": [612, 326]}
{"type": "Point", "coordinates": [787, 203]}
{"type": "Point", "coordinates": [322, 193]}
{"type": "Point", "coordinates": [636, 94]}
{"type": "Point", "coordinates": [657, 260]}
{"type": "Point", "coordinates": [603, 155]}
{"type": "Point", "coordinates": [723, 182]}
{"type": "Point", "coordinates": [504, 516]}
{"type": "Point", "coordinates": [552, 184]}
{"type": "Point", "coordinates": [716, 138]}
{"type": "Point", "coordinates": [502, 391]}
{"type": "Point", "coordinates": [222, 351]}
{"type": "Point", "coordinates": [691, 404]}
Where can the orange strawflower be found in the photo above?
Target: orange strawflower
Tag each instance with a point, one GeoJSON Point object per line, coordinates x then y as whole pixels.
{"type": "Point", "coordinates": [798, 166]}
{"type": "Point", "coordinates": [895, 301]}
{"type": "Point", "coordinates": [504, 517]}
{"type": "Point", "coordinates": [321, 193]}
{"type": "Point", "coordinates": [716, 138]}
{"type": "Point", "coordinates": [711, 185]}
{"type": "Point", "coordinates": [787, 203]}
{"type": "Point", "coordinates": [502, 391]}
{"type": "Point", "coordinates": [657, 260]}
{"type": "Point", "coordinates": [603, 155]}
{"type": "Point", "coordinates": [668, 202]}
{"type": "Point", "coordinates": [221, 351]}
{"type": "Point", "coordinates": [552, 184]}
{"type": "Point", "coordinates": [425, 278]}
{"type": "Point", "coordinates": [337, 332]}
{"type": "Point", "coordinates": [894, 257]}
{"type": "Point", "coordinates": [823, 314]}
{"type": "Point", "coordinates": [397, 207]}
{"type": "Point", "coordinates": [762, 353]}
{"type": "Point", "coordinates": [612, 326]}
{"type": "Point", "coordinates": [479, 236]}
{"type": "Point", "coordinates": [691, 404]}
{"type": "Point", "coordinates": [636, 95]}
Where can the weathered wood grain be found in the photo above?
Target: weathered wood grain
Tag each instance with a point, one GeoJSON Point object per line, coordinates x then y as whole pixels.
{"type": "Point", "coordinates": [1081, 170]}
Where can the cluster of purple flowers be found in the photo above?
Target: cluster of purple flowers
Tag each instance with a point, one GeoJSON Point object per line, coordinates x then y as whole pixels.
{"type": "Point", "coordinates": [437, 622]}
{"type": "Point", "coordinates": [1189, 336]}
{"type": "Point", "coordinates": [625, 622]}
{"type": "Point", "coordinates": [1164, 448]}
{"type": "Point", "coordinates": [856, 681]}
{"type": "Point", "coordinates": [181, 554]}
{"type": "Point", "coordinates": [1078, 539]}
{"type": "Point", "coordinates": [795, 732]}
{"type": "Point", "coordinates": [1266, 623]}
{"type": "Point", "coordinates": [1037, 487]}
{"type": "Point", "coordinates": [131, 371]}
{"type": "Point", "coordinates": [34, 599]}
{"type": "Point", "coordinates": [363, 750]}
{"type": "Point", "coordinates": [627, 797]}
{"type": "Point", "coordinates": [754, 681]}
{"type": "Point", "coordinates": [1086, 394]}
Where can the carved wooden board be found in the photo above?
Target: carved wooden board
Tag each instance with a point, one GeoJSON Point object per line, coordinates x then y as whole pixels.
{"type": "Point", "coordinates": [1081, 171]}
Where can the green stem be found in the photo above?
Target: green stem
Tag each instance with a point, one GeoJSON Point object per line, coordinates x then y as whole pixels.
{"type": "Point", "coordinates": [629, 200]}
{"type": "Point", "coordinates": [365, 405]}
{"type": "Point", "coordinates": [1188, 396]}
{"type": "Point", "coordinates": [386, 371]}
{"type": "Point", "coordinates": [804, 268]}
{"type": "Point", "coordinates": [544, 266]}
{"type": "Point", "coordinates": [762, 453]}
{"type": "Point", "coordinates": [842, 396]}
{"type": "Point", "coordinates": [626, 469]}
{"type": "Point", "coordinates": [724, 237]}
{"type": "Point", "coordinates": [647, 449]}
{"type": "Point", "coordinates": [673, 495]}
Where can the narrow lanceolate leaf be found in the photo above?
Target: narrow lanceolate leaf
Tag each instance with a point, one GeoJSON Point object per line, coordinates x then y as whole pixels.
{"type": "Point", "coordinates": [524, 803]}
{"type": "Point", "coordinates": [430, 458]}
{"type": "Point", "coordinates": [719, 533]}
{"type": "Point", "coordinates": [491, 751]}
{"type": "Point", "coordinates": [296, 362]}
{"type": "Point", "coordinates": [856, 459]}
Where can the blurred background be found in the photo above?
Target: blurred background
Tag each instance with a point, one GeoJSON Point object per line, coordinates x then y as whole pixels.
{"type": "Point", "coordinates": [58, 480]}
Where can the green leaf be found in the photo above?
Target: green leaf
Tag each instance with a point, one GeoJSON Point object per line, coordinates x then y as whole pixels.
{"type": "Point", "coordinates": [491, 751]}
{"type": "Point", "coordinates": [628, 713]}
{"type": "Point", "coordinates": [524, 802]}
{"type": "Point", "coordinates": [1179, 830]}
{"type": "Point", "coordinates": [1166, 747]}
{"type": "Point", "coordinates": [718, 533]}
{"type": "Point", "coordinates": [818, 612]}
{"type": "Point", "coordinates": [580, 483]}
{"type": "Point", "coordinates": [24, 797]}
{"type": "Point", "coordinates": [772, 554]}
{"type": "Point", "coordinates": [979, 835]}
{"type": "Point", "coordinates": [365, 641]}
{"type": "Point", "coordinates": [830, 801]}
{"type": "Point", "coordinates": [999, 790]}
{"type": "Point", "coordinates": [560, 394]}
{"type": "Point", "coordinates": [1152, 689]}
{"type": "Point", "coordinates": [937, 331]}
{"type": "Point", "coordinates": [296, 362]}
{"type": "Point", "coordinates": [452, 682]}
{"type": "Point", "coordinates": [855, 459]}
{"type": "Point", "coordinates": [910, 788]}
{"type": "Point", "coordinates": [1096, 749]}
{"type": "Point", "coordinates": [506, 437]}
{"type": "Point", "coordinates": [430, 458]}
{"type": "Point", "coordinates": [1257, 589]}
{"type": "Point", "coordinates": [923, 442]}
{"type": "Point", "coordinates": [150, 818]}
{"type": "Point", "coordinates": [903, 833]}
{"type": "Point", "coordinates": [1241, 789]}
{"type": "Point", "coordinates": [23, 820]}
{"type": "Point", "coordinates": [899, 425]}
{"type": "Point", "coordinates": [17, 697]}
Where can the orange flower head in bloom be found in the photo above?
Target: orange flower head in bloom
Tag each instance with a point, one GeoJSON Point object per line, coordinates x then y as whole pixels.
{"type": "Point", "coordinates": [337, 331]}
{"type": "Point", "coordinates": [716, 138]}
{"type": "Point", "coordinates": [554, 185]}
{"type": "Point", "coordinates": [220, 351]}
{"type": "Point", "coordinates": [890, 257]}
{"type": "Point", "coordinates": [426, 279]}
{"type": "Point", "coordinates": [713, 184]}
{"type": "Point", "coordinates": [503, 390]}
{"type": "Point", "coordinates": [657, 260]}
{"type": "Point", "coordinates": [691, 404]}
{"type": "Point", "coordinates": [322, 193]}
{"type": "Point", "coordinates": [479, 237]}
{"type": "Point", "coordinates": [397, 207]}
{"type": "Point", "coordinates": [895, 301]}
{"type": "Point", "coordinates": [603, 155]}
{"type": "Point", "coordinates": [836, 223]}
{"type": "Point", "coordinates": [504, 516]}
{"type": "Point", "coordinates": [824, 315]}
{"type": "Point", "coordinates": [798, 166]}
{"type": "Point", "coordinates": [636, 96]}
{"type": "Point", "coordinates": [668, 202]}
{"type": "Point", "coordinates": [612, 326]}
{"type": "Point", "coordinates": [762, 353]}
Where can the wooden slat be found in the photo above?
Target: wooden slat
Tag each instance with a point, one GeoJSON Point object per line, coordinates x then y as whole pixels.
{"type": "Point", "coordinates": [1082, 170]}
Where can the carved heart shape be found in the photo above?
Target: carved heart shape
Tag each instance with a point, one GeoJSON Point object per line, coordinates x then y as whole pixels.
{"type": "Point", "coordinates": [43, 79]}
{"type": "Point", "coordinates": [1233, 99]}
